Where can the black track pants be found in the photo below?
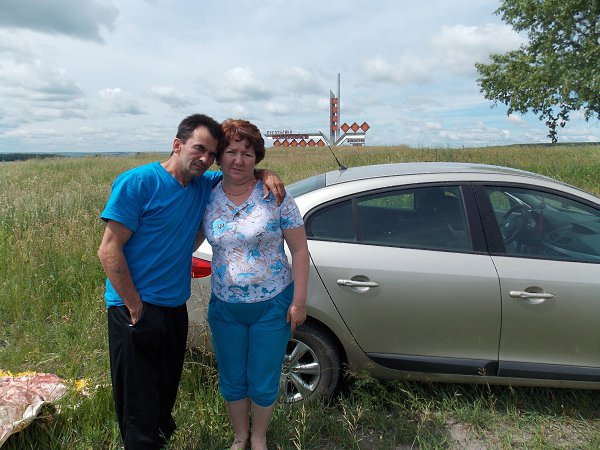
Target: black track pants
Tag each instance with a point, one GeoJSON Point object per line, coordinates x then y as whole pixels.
{"type": "Point", "coordinates": [146, 360]}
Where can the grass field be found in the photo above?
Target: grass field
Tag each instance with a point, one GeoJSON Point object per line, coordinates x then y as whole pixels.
{"type": "Point", "coordinates": [52, 319]}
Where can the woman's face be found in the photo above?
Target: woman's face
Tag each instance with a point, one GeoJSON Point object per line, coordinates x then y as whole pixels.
{"type": "Point", "coordinates": [238, 161]}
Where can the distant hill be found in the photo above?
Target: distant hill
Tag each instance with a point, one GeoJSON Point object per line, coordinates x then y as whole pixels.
{"type": "Point", "coordinates": [24, 156]}
{"type": "Point", "coordinates": [4, 157]}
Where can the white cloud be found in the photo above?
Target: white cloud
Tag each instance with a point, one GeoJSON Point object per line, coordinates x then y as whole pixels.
{"type": "Point", "coordinates": [120, 102]}
{"type": "Point", "coordinates": [477, 135]}
{"type": "Point", "coordinates": [83, 19]}
{"type": "Point", "coordinates": [171, 96]}
{"type": "Point", "coordinates": [516, 119]}
{"type": "Point", "coordinates": [277, 108]}
{"type": "Point", "coordinates": [322, 104]}
{"type": "Point", "coordinates": [433, 126]}
{"type": "Point", "coordinates": [14, 49]}
{"type": "Point", "coordinates": [453, 51]}
{"type": "Point", "coordinates": [239, 84]}
{"type": "Point", "coordinates": [237, 111]}
{"type": "Point", "coordinates": [298, 80]}
{"type": "Point", "coordinates": [457, 48]}
{"type": "Point", "coordinates": [34, 89]}
{"type": "Point", "coordinates": [409, 69]}
{"type": "Point", "coordinates": [38, 82]}
{"type": "Point", "coordinates": [32, 133]}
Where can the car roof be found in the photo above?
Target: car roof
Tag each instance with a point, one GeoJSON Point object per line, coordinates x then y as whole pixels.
{"type": "Point", "coordinates": [396, 169]}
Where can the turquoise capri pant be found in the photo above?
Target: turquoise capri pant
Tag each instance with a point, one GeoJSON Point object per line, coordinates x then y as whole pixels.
{"type": "Point", "coordinates": [249, 340]}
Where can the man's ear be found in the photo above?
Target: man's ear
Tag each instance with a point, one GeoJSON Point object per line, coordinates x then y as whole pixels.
{"type": "Point", "coordinates": [176, 145]}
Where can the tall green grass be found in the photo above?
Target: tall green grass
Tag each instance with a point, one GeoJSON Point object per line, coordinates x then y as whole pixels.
{"type": "Point", "coordinates": [52, 319]}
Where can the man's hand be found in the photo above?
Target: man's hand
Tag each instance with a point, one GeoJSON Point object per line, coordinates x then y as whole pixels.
{"type": "Point", "coordinates": [135, 311]}
{"type": "Point", "coordinates": [271, 183]}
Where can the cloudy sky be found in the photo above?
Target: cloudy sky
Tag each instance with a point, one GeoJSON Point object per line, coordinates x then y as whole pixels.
{"type": "Point", "coordinates": [119, 75]}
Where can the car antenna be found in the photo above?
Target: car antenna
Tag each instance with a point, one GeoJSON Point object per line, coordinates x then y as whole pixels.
{"type": "Point", "coordinates": [341, 167]}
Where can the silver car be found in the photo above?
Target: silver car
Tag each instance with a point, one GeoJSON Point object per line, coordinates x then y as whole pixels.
{"type": "Point", "coordinates": [444, 272]}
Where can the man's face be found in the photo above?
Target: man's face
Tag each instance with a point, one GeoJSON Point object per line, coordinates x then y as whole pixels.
{"type": "Point", "coordinates": [197, 154]}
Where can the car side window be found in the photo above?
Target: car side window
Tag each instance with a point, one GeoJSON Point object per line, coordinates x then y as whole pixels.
{"type": "Point", "coordinates": [425, 217]}
{"type": "Point", "coordinates": [334, 222]}
{"type": "Point", "coordinates": [545, 225]}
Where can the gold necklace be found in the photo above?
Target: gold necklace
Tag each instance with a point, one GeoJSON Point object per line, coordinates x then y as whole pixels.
{"type": "Point", "coordinates": [243, 192]}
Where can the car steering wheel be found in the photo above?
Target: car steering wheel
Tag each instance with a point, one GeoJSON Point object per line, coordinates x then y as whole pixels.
{"type": "Point", "coordinates": [514, 222]}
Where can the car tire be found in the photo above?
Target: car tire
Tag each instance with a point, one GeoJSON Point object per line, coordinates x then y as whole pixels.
{"type": "Point", "coordinates": [311, 366]}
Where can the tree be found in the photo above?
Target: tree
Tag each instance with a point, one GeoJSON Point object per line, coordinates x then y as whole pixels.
{"type": "Point", "coordinates": [558, 71]}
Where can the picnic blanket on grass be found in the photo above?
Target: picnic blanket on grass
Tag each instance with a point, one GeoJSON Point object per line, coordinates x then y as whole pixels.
{"type": "Point", "coordinates": [22, 396]}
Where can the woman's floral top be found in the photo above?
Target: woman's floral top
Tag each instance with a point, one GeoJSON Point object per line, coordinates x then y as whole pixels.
{"type": "Point", "coordinates": [249, 263]}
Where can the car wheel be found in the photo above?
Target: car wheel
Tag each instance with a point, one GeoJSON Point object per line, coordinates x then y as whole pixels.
{"type": "Point", "coordinates": [311, 367]}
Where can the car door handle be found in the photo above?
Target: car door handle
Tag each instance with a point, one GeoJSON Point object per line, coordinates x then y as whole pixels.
{"type": "Point", "coordinates": [535, 298]}
{"type": "Point", "coordinates": [352, 283]}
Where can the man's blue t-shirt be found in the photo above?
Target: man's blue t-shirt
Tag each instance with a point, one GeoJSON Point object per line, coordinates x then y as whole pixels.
{"type": "Point", "coordinates": [164, 218]}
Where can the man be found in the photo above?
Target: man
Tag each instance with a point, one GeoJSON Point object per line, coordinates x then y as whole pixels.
{"type": "Point", "coordinates": [152, 219]}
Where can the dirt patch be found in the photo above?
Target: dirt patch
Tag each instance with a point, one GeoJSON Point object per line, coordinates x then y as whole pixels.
{"type": "Point", "coordinates": [462, 437]}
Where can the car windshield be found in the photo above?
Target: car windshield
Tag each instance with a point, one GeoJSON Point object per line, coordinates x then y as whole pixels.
{"type": "Point", "coordinates": [306, 185]}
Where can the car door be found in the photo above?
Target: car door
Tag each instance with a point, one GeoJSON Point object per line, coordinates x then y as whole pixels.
{"type": "Point", "coordinates": [403, 272]}
{"type": "Point", "coordinates": [549, 269]}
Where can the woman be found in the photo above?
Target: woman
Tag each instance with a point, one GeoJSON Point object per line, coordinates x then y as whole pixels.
{"type": "Point", "coordinates": [257, 298]}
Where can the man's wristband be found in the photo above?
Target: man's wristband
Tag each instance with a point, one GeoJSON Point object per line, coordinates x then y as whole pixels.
{"type": "Point", "coordinates": [298, 306]}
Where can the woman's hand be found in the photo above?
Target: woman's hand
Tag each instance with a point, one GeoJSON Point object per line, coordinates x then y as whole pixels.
{"type": "Point", "coordinates": [296, 315]}
{"type": "Point", "coordinates": [296, 241]}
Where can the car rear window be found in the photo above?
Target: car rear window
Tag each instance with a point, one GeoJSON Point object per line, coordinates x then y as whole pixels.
{"type": "Point", "coordinates": [306, 185]}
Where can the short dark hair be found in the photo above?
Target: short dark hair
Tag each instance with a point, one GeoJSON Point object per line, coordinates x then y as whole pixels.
{"type": "Point", "coordinates": [237, 130]}
{"type": "Point", "coordinates": [190, 123]}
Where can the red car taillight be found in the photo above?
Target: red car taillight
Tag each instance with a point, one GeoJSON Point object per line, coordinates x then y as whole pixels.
{"type": "Point", "coordinates": [200, 268]}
